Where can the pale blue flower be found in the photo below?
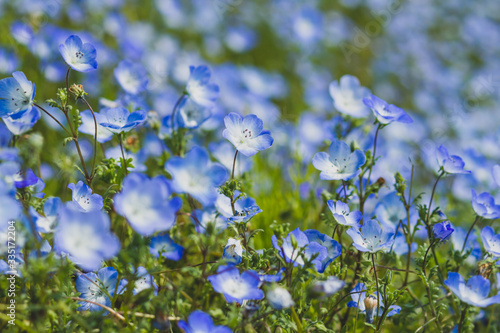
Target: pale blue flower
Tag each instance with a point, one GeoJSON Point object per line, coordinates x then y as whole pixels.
{"type": "Point", "coordinates": [79, 56]}
{"type": "Point", "coordinates": [474, 292]}
{"type": "Point", "coordinates": [340, 163]}
{"type": "Point", "coordinates": [247, 134]}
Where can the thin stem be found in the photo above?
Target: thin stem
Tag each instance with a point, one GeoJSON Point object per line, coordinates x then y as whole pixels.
{"type": "Point", "coordinates": [172, 119]}
{"type": "Point", "coordinates": [430, 203]}
{"type": "Point", "coordinates": [75, 139]}
{"type": "Point", "coordinates": [462, 318]}
{"type": "Point", "coordinates": [232, 177]}
{"type": "Point", "coordinates": [425, 256]}
{"type": "Point", "coordinates": [376, 281]}
{"type": "Point", "coordinates": [51, 116]}
{"type": "Point", "coordinates": [67, 79]}
{"type": "Point", "coordinates": [296, 319]}
{"type": "Point", "coordinates": [468, 233]}
{"type": "Point", "coordinates": [120, 137]}
{"type": "Point", "coordinates": [374, 155]}
{"type": "Point", "coordinates": [95, 135]}
{"type": "Point", "coordinates": [113, 312]}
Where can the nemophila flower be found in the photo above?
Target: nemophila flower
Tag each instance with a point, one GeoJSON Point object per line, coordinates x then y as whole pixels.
{"type": "Point", "coordinates": [279, 298]}
{"type": "Point", "coordinates": [451, 164]}
{"type": "Point", "coordinates": [206, 218]}
{"type": "Point", "coordinates": [83, 198]}
{"type": "Point", "coordinates": [24, 123]}
{"type": "Point", "coordinates": [474, 292]}
{"type": "Point", "coordinates": [245, 208]}
{"type": "Point", "coordinates": [386, 113]}
{"type": "Point", "coordinates": [342, 214]}
{"type": "Point", "coordinates": [491, 241]}
{"type": "Point", "coordinates": [348, 96]}
{"type": "Point", "coordinates": [200, 322]}
{"type": "Point", "coordinates": [98, 288]}
{"type": "Point", "coordinates": [332, 246]}
{"type": "Point", "coordinates": [328, 287]}
{"type": "Point", "coordinates": [400, 246]}
{"type": "Point", "coordinates": [390, 210]}
{"type": "Point", "coordinates": [196, 175]}
{"type": "Point", "coordinates": [146, 203]}
{"type": "Point", "coordinates": [371, 237]}
{"type": "Point", "coordinates": [309, 249]}
{"type": "Point", "coordinates": [358, 297]}
{"type": "Point", "coordinates": [131, 76]}
{"type": "Point", "coordinates": [23, 179]}
{"type": "Point", "coordinates": [144, 281]}
{"type": "Point", "coordinates": [88, 126]}
{"type": "Point", "coordinates": [164, 245]}
{"type": "Point", "coordinates": [247, 134]}
{"type": "Point", "coordinates": [496, 174]}
{"type": "Point", "coordinates": [458, 239]}
{"type": "Point", "coordinates": [119, 120]}
{"type": "Point", "coordinates": [47, 223]}
{"type": "Point", "coordinates": [270, 278]}
{"type": "Point", "coordinates": [234, 286]}
{"type": "Point", "coordinates": [198, 87]}
{"type": "Point", "coordinates": [340, 163]}
{"type": "Point", "coordinates": [442, 230]}
{"type": "Point", "coordinates": [16, 95]}
{"type": "Point", "coordinates": [484, 205]}
{"type": "Point", "coordinates": [233, 251]}
{"type": "Point", "coordinates": [190, 114]}
{"type": "Point", "coordinates": [79, 56]}
{"type": "Point", "coordinates": [85, 237]}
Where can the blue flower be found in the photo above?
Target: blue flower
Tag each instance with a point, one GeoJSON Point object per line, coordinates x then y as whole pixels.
{"type": "Point", "coordinates": [86, 237]}
{"type": "Point", "coordinates": [390, 210]}
{"type": "Point", "coordinates": [98, 288]}
{"type": "Point", "coordinates": [474, 292]}
{"type": "Point", "coordinates": [279, 298]}
{"type": "Point", "coordinates": [491, 241]}
{"type": "Point", "coordinates": [359, 297]}
{"type": "Point", "coordinates": [79, 56]}
{"type": "Point", "coordinates": [371, 237]}
{"type": "Point", "coordinates": [340, 164]}
{"type": "Point", "coordinates": [83, 199]}
{"type": "Point", "coordinates": [233, 251]}
{"type": "Point", "coordinates": [451, 164]}
{"type": "Point", "coordinates": [199, 321]}
{"type": "Point", "coordinates": [132, 77]}
{"type": "Point", "coordinates": [144, 281]}
{"type": "Point", "coordinates": [348, 96]}
{"type": "Point", "coordinates": [190, 114]}
{"type": "Point", "coordinates": [24, 123]}
{"type": "Point", "coordinates": [247, 134]}
{"type": "Point", "coordinates": [292, 255]}
{"type": "Point", "coordinates": [146, 205]}
{"type": "Point", "coordinates": [88, 126]}
{"type": "Point", "coordinates": [332, 246]}
{"type": "Point", "coordinates": [442, 230]}
{"type": "Point", "coordinates": [119, 120]}
{"type": "Point", "coordinates": [47, 223]}
{"type": "Point", "coordinates": [198, 87]}
{"type": "Point", "coordinates": [164, 245]}
{"type": "Point", "coordinates": [342, 214]}
{"type": "Point", "coordinates": [236, 287]}
{"type": "Point", "coordinates": [196, 175]}
{"type": "Point", "coordinates": [400, 246]}
{"type": "Point", "coordinates": [328, 287]}
{"type": "Point", "coordinates": [245, 207]}
{"type": "Point", "coordinates": [386, 113]}
{"type": "Point", "coordinates": [206, 217]}
{"type": "Point", "coordinates": [458, 239]}
{"type": "Point", "coordinates": [484, 205]}
{"type": "Point", "coordinates": [16, 95]}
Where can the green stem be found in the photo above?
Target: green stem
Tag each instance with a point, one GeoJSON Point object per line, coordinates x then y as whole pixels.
{"type": "Point", "coordinates": [468, 232]}
{"type": "Point", "coordinates": [376, 281]}
{"type": "Point", "coordinates": [95, 136]}
{"type": "Point", "coordinates": [296, 319]}
{"type": "Point", "coordinates": [232, 177]}
{"type": "Point", "coordinates": [120, 137]}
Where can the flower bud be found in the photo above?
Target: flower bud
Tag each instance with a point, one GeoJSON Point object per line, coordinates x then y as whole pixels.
{"type": "Point", "coordinates": [371, 307]}
{"type": "Point", "coordinates": [77, 90]}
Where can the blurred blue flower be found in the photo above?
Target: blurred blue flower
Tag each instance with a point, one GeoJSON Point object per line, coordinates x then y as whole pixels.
{"type": "Point", "coordinates": [198, 87]}
{"type": "Point", "coordinates": [458, 239]}
{"type": "Point", "coordinates": [386, 113]}
{"type": "Point", "coordinates": [348, 96]}
{"type": "Point", "coordinates": [332, 246]}
{"type": "Point", "coordinates": [234, 286]}
{"type": "Point", "coordinates": [310, 248]}
{"type": "Point", "coordinates": [279, 298]}
{"type": "Point", "coordinates": [131, 76]}
{"type": "Point", "coordinates": [16, 95]}
{"type": "Point", "coordinates": [442, 230]}
{"type": "Point", "coordinates": [247, 134]}
{"type": "Point", "coordinates": [24, 123]}
{"type": "Point", "coordinates": [342, 214]}
{"type": "Point", "coordinates": [164, 245]}
{"type": "Point", "coordinates": [451, 164]}
{"type": "Point", "coordinates": [79, 56]}
{"type": "Point", "coordinates": [144, 281]}
{"type": "Point", "coordinates": [201, 220]}
{"type": "Point", "coordinates": [85, 237]}
{"type": "Point", "coordinates": [224, 153]}
{"type": "Point", "coordinates": [371, 237]}
{"type": "Point", "coordinates": [474, 292]}
{"type": "Point", "coordinates": [233, 251]}
{"type": "Point", "coordinates": [340, 163]}
{"type": "Point", "coordinates": [83, 198]}
{"type": "Point", "coordinates": [98, 288]}
{"type": "Point", "coordinates": [484, 205]}
{"type": "Point", "coordinates": [196, 175]}
{"type": "Point", "coordinates": [119, 119]}
{"type": "Point", "coordinates": [47, 223]}
{"type": "Point", "coordinates": [88, 126]}
{"type": "Point", "coordinates": [491, 241]}
{"type": "Point", "coordinates": [146, 205]}
{"type": "Point", "coordinates": [328, 287]}
{"type": "Point", "coordinates": [190, 114]}
{"type": "Point", "coordinates": [245, 207]}
{"type": "Point", "coordinates": [400, 246]}
{"type": "Point", "coordinates": [199, 321]}
{"type": "Point", "coordinates": [390, 210]}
